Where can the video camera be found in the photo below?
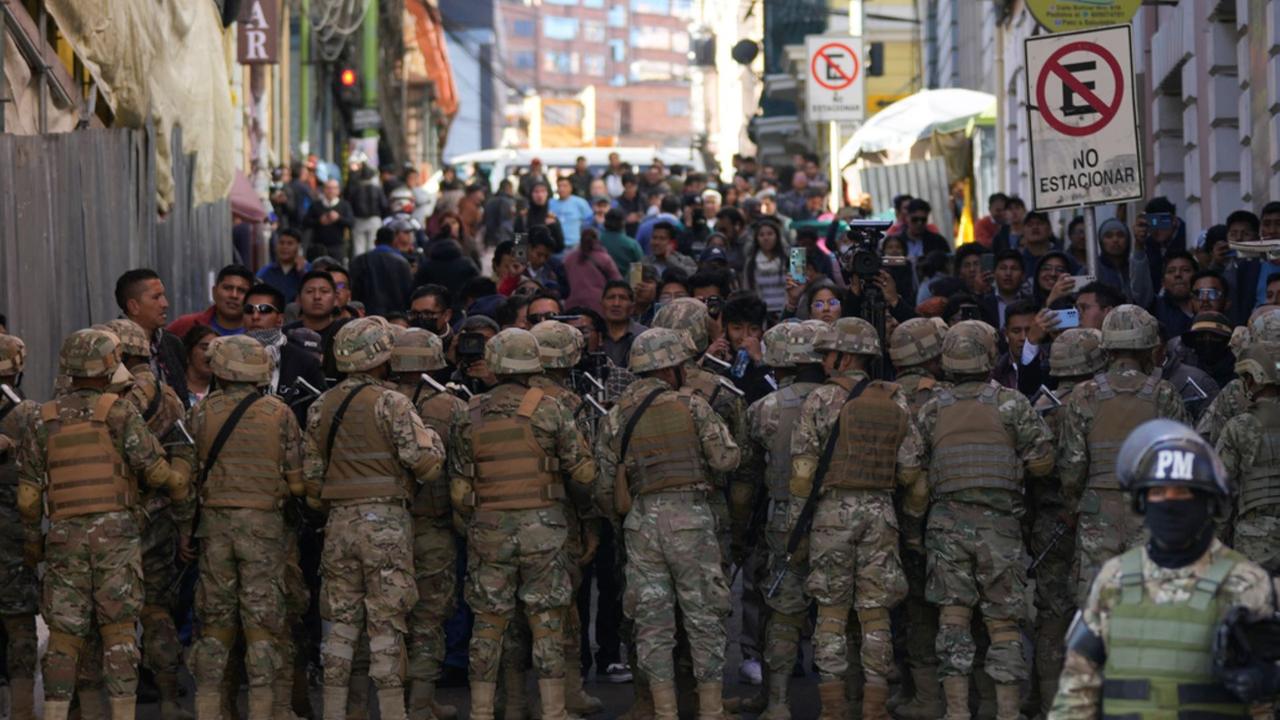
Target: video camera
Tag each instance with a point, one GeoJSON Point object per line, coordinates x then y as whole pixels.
{"type": "Point", "coordinates": [470, 347]}
{"type": "Point", "coordinates": [863, 256]}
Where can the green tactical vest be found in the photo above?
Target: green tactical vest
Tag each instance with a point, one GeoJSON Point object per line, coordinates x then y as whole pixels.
{"type": "Point", "coordinates": [1159, 658]}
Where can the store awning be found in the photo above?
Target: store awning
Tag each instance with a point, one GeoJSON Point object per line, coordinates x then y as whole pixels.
{"type": "Point", "coordinates": [428, 29]}
{"type": "Point", "coordinates": [918, 117]}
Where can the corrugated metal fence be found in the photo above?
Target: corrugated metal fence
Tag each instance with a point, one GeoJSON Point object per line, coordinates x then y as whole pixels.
{"type": "Point", "coordinates": [77, 210]}
{"type": "Point", "coordinates": [921, 178]}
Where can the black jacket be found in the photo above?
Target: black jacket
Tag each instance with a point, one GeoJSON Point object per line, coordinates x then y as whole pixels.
{"type": "Point", "coordinates": [171, 361]}
{"type": "Point", "coordinates": [446, 265]}
{"type": "Point", "coordinates": [298, 363]}
{"type": "Point", "coordinates": [332, 236]}
{"type": "Point", "coordinates": [382, 280]}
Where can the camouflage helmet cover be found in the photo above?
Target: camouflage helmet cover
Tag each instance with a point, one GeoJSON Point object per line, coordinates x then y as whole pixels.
{"type": "Point", "coordinates": [416, 350]}
{"type": "Point", "coordinates": [1260, 363]}
{"type": "Point", "coordinates": [658, 348]}
{"type": "Point", "coordinates": [133, 339]}
{"type": "Point", "coordinates": [1264, 326]}
{"type": "Point", "coordinates": [917, 341]}
{"type": "Point", "coordinates": [560, 345]}
{"type": "Point", "coordinates": [92, 353]}
{"type": "Point", "coordinates": [969, 348]}
{"type": "Point", "coordinates": [689, 315]}
{"type": "Point", "coordinates": [240, 358]}
{"type": "Point", "coordinates": [851, 335]}
{"type": "Point", "coordinates": [513, 352]}
{"type": "Point", "coordinates": [802, 340]}
{"type": "Point", "coordinates": [1077, 352]}
{"type": "Point", "coordinates": [362, 345]}
{"type": "Point", "coordinates": [775, 346]}
{"type": "Point", "coordinates": [13, 354]}
{"type": "Point", "coordinates": [1129, 327]}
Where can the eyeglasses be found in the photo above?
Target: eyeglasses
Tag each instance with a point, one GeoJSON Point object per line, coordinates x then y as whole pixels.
{"type": "Point", "coordinates": [1208, 293]}
{"type": "Point", "coordinates": [340, 285]}
{"type": "Point", "coordinates": [260, 309]}
{"type": "Point", "coordinates": [833, 304]}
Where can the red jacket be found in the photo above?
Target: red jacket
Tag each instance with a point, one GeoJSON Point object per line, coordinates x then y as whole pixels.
{"type": "Point", "coordinates": [184, 323]}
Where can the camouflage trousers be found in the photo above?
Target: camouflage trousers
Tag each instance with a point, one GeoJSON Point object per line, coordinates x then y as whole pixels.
{"type": "Point", "coordinates": [434, 554]}
{"type": "Point", "coordinates": [1107, 527]}
{"type": "Point", "coordinates": [788, 609]}
{"type": "Point", "coordinates": [92, 582]}
{"type": "Point", "coordinates": [977, 559]}
{"type": "Point", "coordinates": [517, 557]}
{"type": "Point", "coordinates": [1255, 536]}
{"type": "Point", "coordinates": [1054, 596]}
{"type": "Point", "coordinates": [161, 650]}
{"type": "Point", "coordinates": [367, 584]}
{"type": "Point", "coordinates": [240, 584]}
{"type": "Point", "coordinates": [19, 597]}
{"type": "Point", "coordinates": [667, 538]}
{"type": "Point", "coordinates": [853, 564]}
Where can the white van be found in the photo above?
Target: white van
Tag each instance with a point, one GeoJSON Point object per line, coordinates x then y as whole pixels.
{"type": "Point", "coordinates": [510, 162]}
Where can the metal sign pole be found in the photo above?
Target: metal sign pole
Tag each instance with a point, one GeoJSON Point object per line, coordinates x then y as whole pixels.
{"type": "Point", "coordinates": [833, 141]}
{"type": "Point", "coordinates": [1090, 241]}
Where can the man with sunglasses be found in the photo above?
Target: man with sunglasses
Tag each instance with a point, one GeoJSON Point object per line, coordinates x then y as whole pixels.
{"type": "Point", "coordinates": [919, 238]}
{"type": "Point", "coordinates": [264, 322]}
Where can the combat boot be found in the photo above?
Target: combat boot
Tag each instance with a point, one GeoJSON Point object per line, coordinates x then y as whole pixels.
{"type": "Point", "coordinates": [442, 712]}
{"type": "Point", "coordinates": [422, 703]}
{"type": "Point", "coordinates": [56, 709]}
{"type": "Point", "coordinates": [664, 701]}
{"type": "Point", "coordinates": [710, 701]}
{"type": "Point", "coordinates": [642, 705]}
{"type": "Point", "coordinates": [831, 696]}
{"type": "Point", "coordinates": [261, 701]}
{"type": "Point", "coordinates": [875, 693]}
{"type": "Point", "coordinates": [208, 704]}
{"type": "Point", "coordinates": [281, 699]}
{"type": "Point", "coordinates": [927, 703]}
{"type": "Point", "coordinates": [170, 706]}
{"type": "Point", "coordinates": [390, 703]}
{"type": "Point", "coordinates": [22, 699]}
{"type": "Point", "coordinates": [358, 696]}
{"type": "Point", "coordinates": [482, 695]}
{"type": "Point", "coordinates": [124, 707]}
{"type": "Point", "coordinates": [1008, 702]}
{"type": "Point", "coordinates": [576, 699]}
{"type": "Point", "coordinates": [777, 707]}
{"type": "Point", "coordinates": [551, 691]}
{"type": "Point", "coordinates": [956, 690]}
{"type": "Point", "coordinates": [335, 702]}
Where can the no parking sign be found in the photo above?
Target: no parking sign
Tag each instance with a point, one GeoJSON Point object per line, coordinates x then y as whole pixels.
{"type": "Point", "coordinates": [1083, 122]}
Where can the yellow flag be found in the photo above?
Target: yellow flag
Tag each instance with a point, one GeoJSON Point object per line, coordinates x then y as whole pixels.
{"type": "Point", "coordinates": [964, 231]}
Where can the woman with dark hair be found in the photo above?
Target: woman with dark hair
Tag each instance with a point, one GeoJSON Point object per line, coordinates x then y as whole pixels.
{"type": "Point", "coordinates": [199, 375]}
{"type": "Point", "coordinates": [904, 276]}
{"type": "Point", "coordinates": [767, 264]}
{"type": "Point", "coordinates": [539, 213]}
{"type": "Point", "coordinates": [589, 268]}
{"type": "Point", "coordinates": [1048, 284]}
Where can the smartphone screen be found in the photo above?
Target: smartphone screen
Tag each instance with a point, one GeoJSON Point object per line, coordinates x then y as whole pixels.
{"type": "Point", "coordinates": [797, 264]}
{"type": "Point", "coordinates": [1068, 318]}
{"type": "Point", "coordinates": [635, 274]}
{"type": "Point", "coordinates": [520, 251]}
{"type": "Point", "coordinates": [988, 262]}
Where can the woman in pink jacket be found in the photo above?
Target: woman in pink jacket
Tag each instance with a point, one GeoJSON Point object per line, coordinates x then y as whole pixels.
{"type": "Point", "coordinates": [588, 268]}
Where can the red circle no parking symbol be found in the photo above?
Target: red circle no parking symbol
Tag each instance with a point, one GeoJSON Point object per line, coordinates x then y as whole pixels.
{"type": "Point", "coordinates": [835, 66]}
{"type": "Point", "coordinates": [1054, 67]}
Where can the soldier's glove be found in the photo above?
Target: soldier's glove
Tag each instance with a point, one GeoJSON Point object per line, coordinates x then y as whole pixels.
{"type": "Point", "coordinates": [1254, 682]}
{"type": "Point", "coordinates": [33, 552]}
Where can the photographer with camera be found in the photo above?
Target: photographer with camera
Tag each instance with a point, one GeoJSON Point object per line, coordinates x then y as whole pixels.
{"type": "Point", "coordinates": [467, 354]}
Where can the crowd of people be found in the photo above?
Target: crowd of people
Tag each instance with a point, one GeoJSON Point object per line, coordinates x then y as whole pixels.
{"type": "Point", "coordinates": [911, 456]}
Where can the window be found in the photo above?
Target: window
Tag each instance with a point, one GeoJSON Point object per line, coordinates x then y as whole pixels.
{"type": "Point", "coordinates": [523, 28]}
{"type": "Point", "coordinates": [560, 62]}
{"type": "Point", "coordinates": [617, 16]}
{"type": "Point", "coordinates": [678, 107]}
{"type": "Point", "coordinates": [592, 31]}
{"type": "Point", "coordinates": [559, 28]}
{"type": "Point", "coordinates": [657, 7]}
{"type": "Point", "coordinates": [650, 71]}
{"type": "Point", "coordinates": [618, 50]}
{"type": "Point", "coordinates": [593, 65]}
{"type": "Point", "coordinates": [682, 8]}
{"type": "Point", "coordinates": [593, 3]}
{"type": "Point", "coordinates": [651, 38]}
{"type": "Point", "coordinates": [618, 80]}
{"type": "Point", "coordinates": [524, 60]}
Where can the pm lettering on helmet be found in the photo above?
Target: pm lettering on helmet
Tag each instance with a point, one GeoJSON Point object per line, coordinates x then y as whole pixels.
{"type": "Point", "coordinates": [1174, 465]}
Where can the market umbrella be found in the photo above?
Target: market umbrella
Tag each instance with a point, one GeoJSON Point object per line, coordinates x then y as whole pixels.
{"type": "Point", "coordinates": [917, 117]}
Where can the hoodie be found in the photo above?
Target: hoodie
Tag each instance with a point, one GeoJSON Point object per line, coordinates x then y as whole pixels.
{"type": "Point", "coordinates": [1132, 278]}
{"type": "Point", "coordinates": [446, 265]}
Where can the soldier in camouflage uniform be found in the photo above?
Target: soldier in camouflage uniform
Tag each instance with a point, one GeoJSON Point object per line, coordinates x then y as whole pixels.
{"type": "Point", "coordinates": [853, 543]}
{"type": "Point", "coordinates": [242, 490]}
{"type": "Point", "coordinates": [1099, 415]}
{"type": "Point", "coordinates": [19, 589]}
{"type": "Point", "coordinates": [915, 347]}
{"type": "Point", "coordinates": [1141, 645]}
{"type": "Point", "coordinates": [86, 454]}
{"type": "Point", "coordinates": [660, 482]}
{"type": "Point", "coordinates": [978, 440]}
{"type": "Point", "coordinates": [163, 524]}
{"type": "Point", "coordinates": [1250, 450]}
{"type": "Point", "coordinates": [366, 450]}
{"type": "Point", "coordinates": [415, 352]}
{"type": "Point", "coordinates": [766, 461]}
{"type": "Point", "coordinates": [513, 449]}
{"type": "Point", "coordinates": [1232, 400]}
{"type": "Point", "coordinates": [1076, 356]}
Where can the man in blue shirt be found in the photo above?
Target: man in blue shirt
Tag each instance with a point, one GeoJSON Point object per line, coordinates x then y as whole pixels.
{"type": "Point", "coordinates": [571, 211]}
{"type": "Point", "coordinates": [285, 274]}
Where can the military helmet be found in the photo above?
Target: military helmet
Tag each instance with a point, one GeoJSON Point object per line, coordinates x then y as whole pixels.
{"type": "Point", "coordinates": [91, 353]}
{"type": "Point", "coordinates": [689, 315]}
{"type": "Point", "coordinates": [1265, 326]}
{"type": "Point", "coordinates": [1077, 352]}
{"type": "Point", "coordinates": [851, 335]}
{"type": "Point", "coordinates": [513, 352]}
{"type": "Point", "coordinates": [133, 339]}
{"type": "Point", "coordinates": [802, 339]}
{"type": "Point", "coordinates": [969, 348]}
{"type": "Point", "coordinates": [658, 348]}
{"type": "Point", "coordinates": [240, 358]}
{"type": "Point", "coordinates": [1260, 362]}
{"type": "Point", "coordinates": [775, 346]}
{"type": "Point", "coordinates": [1129, 327]}
{"type": "Point", "coordinates": [362, 344]}
{"type": "Point", "coordinates": [13, 355]}
{"type": "Point", "coordinates": [560, 345]}
{"type": "Point", "coordinates": [416, 350]}
{"type": "Point", "coordinates": [1166, 453]}
{"type": "Point", "coordinates": [917, 341]}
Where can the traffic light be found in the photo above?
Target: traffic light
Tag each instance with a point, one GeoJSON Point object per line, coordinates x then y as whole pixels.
{"type": "Point", "coordinates": [875, 59]}
{"type": "Point", "coordinates": [348, 89]}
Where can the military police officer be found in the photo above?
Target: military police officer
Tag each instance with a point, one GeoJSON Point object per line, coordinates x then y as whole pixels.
{"type": "Point", "coordinates": [249, 460]}
{"type": "Point", "coordinates": [366, 449]}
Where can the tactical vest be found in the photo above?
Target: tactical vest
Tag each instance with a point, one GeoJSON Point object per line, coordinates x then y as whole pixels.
{"type": "Point", "coordinates": [1119, 411]}
{"type": "Point", "coordinates": [362, 464]}
{"type": "Point", "coordinates": [918, 391]}
{"type": "Point", "coordinates": [11, 420]}
{"type": "Point", "coordinates": [664, 452]}
{"type": "Point", "coordinates": [1159, 655]}
{"type": "Point", "coordinates": [1260, 486]}
{"type": "Point", "coordinates": [872, 427]}
{"type": "Point", "coordinates": [86, 473]}
{"type": "Point", "coordinates": [247, 472]}
{"type": "Point", "coordinates": [432, 499]}
{"type": "Point", "coordinates": [512, 471]}
{"type": "Point", "coordinates": [971, 447]}
{"type": "Point", "coordinates": [777, 472]}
